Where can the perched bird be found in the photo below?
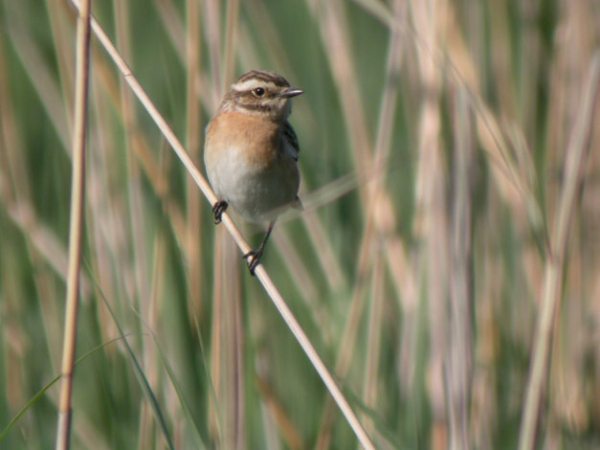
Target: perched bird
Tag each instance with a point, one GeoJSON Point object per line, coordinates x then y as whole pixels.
{"type": "Point", "coordinates": [251, 152]}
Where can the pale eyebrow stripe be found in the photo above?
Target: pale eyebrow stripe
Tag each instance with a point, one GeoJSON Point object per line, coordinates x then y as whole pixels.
{"type": "Point", "coordinates": [252, 83]}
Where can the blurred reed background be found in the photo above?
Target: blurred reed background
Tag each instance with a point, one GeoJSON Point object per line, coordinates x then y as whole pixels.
{"type": "Point", "coordinates": [438, 195]}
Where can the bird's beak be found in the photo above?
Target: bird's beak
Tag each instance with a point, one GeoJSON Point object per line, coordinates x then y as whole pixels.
{"type": "Point", "coordinates": [291, 93]}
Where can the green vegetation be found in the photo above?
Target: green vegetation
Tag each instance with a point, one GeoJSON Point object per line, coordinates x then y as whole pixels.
{"type": "Point", "coordinates": [449, 244]}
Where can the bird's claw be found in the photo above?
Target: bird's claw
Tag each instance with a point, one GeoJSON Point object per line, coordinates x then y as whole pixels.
{"type": "Point", "coordinates": [252, 259]}
{"type": "Point", "coordinates": [218, 209]}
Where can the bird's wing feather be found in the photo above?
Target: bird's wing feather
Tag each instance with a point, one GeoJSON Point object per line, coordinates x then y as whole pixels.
{"type": "Point", "coordinates": [290, 136]}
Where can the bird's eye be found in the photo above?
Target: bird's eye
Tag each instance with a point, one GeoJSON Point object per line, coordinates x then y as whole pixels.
{"type": "Point", "coordinates": [259, 92]}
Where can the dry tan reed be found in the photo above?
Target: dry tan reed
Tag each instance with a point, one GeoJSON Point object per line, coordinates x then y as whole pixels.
{"type": "Point", "coordinates": [575, 161]}
{"type": "Point", "coordinates": [63, 436]}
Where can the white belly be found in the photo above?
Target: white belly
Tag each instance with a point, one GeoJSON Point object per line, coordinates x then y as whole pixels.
{"type": "Point", "coordinates": [258, 194]}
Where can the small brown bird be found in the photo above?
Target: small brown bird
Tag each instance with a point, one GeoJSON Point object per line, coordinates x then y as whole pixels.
{"type": "Point", "coordinates": [251, 152]}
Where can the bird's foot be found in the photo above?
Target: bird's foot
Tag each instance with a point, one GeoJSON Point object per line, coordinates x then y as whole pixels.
{"type": "Point", "coordinates": [253, 259]}
{"type": "Point", "coordinates": [218, 209]}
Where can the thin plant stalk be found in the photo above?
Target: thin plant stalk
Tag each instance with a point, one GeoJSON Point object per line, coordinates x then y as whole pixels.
{"type": "Point", "coordinates": [459, 362]}
{"type": "Point", "coordinates": [576, 157]}
{"type": "Point", "coordinates": [194, 136]}
{"type": "Point", "coordinates": [373, 353]}
{"type": "Point", "coordinates": [76, 225]}
{"type": "Point", "coordinates": [233, 12]}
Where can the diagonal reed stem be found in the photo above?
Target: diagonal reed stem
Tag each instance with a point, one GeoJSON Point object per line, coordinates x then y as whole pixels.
{"type": "Point", "coordinates": [76, 225]}
{"type": "Point", "coordinates": [241, 242]}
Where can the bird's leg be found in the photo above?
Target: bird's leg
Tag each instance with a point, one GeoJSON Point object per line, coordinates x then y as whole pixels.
{"type": "Point", "coordinates": [253, 257]}
{"type": "Point", "coordinates": [218, 209]}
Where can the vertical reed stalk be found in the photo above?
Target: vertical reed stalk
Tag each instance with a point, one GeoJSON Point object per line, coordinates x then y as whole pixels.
{"type": "Point", "coordinates": [459, 360]}
{"type": "Point", "coordinates": [575, 159]}
{"type": "Point", "coordinates": [76, 225]}
{"type": "Point", "coordinates": [194, 137]}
